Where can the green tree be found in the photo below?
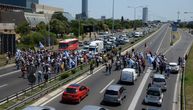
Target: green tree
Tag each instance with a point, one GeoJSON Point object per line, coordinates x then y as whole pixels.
{"type": "Point", "coordinates": [23, 28]}
{"type": "Point", "coordinates": [58, 27]}
{"type": "Point", "coordinates": [41, 26]}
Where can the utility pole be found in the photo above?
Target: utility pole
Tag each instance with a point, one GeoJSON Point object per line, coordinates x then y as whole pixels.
{"type": "Point", "coordinates": [178, 15]}
{"type": "Point", "coordinates": [113, 15]}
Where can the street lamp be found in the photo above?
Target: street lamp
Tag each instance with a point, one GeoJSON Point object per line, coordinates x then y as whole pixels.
{"type": "Point", "coordinates": [134, 28]}
{"type": "Point", "coordinates": [113, 13]}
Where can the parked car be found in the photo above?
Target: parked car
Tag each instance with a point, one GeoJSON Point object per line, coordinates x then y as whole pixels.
{"type": "Point", "coordinates": [159, 80]}
{"type": "Point", "coordinates": [174, 67]}
{"type": "Point", "coordinates": [128, 75]}
{"type": "Point", "coordinates": [75, 93]}
{"type": "Point", "coordinates": [39, 108]}
{"type": "Point", "coordinates": [154, 96]}
{"type": "Point", "coordinates": [92, 107]}
{"type": "Point", "coordinates": [114, 94]}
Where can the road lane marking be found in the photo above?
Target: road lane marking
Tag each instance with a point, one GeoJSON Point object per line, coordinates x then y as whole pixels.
{"type": "Point", "coordinates": [43, 101]}
{"type": "Point", "coordinates": [162, 40]}
{"type": "Point", "coordinates": [143, 82]}
{"type": "Point", "coordinates": [72, 82]}
{"type": "Point", "coordinates": [175, 96]}
{"type": "Point", "coordinates": [10, 73]}
{"type": "Point", "coordinates": [139, 90]}
{"type": "Point", "coordinates": [106, 86]}
{"type": "Point", "coordinates": [3, 85]}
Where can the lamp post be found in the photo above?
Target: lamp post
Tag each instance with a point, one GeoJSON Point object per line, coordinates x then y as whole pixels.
{"type": "Point", "coordinates": [113, 13]}
{"type": "Point", "coordinates": [134, 28]}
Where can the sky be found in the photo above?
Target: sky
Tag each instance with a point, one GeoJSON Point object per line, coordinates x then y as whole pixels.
{"type": "Point", "coordinates": [157, 9]}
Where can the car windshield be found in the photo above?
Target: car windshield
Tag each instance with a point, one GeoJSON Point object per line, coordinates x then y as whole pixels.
{"type": "Point", "coordinates": [111, 92]}
{"type": "Point", "coordinates": [158, 80]}
{"type": "Point", "coordinates": [154, 93]}
{"type": "Point", "coordinates": [71, 90]}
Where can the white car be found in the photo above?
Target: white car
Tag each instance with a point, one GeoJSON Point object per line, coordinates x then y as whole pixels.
{"type": "Point", "coordinates": [39, 108]}
{"type": "Point", "coordinates": [128, 75]}
{"type": "Point", "coordinates": [174, 67]}
{"type": "Point", "coordinates": [92, 107]}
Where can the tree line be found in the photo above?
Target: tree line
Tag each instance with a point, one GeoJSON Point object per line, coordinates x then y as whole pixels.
{"type": "Point", "coordinates": [60, 27]}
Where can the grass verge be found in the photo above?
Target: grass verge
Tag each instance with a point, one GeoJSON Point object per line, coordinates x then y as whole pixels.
{"type": "Point", "coordinates": [175, 36]}
{"type": "Point", "coordinates": [189, 81]}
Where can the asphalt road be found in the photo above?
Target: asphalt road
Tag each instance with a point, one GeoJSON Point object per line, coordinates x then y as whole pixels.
{"type": "Point", "coordinates": [10, 81]}
{"type": "Point", "coordinates": [100, 80]}
{"type": "Point", "coordinates": [172, 55]}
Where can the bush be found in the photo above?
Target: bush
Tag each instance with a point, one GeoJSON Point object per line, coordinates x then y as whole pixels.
{"type": "Point", "coordinates": [64, 76]}
{"type": "Point", "coordinates": [73, 71]}
{"type": "Point", "coordinates": [171, 43]}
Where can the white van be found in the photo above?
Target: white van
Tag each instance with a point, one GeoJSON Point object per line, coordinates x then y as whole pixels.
{"type": "Point", "coordinates": [128, 75]}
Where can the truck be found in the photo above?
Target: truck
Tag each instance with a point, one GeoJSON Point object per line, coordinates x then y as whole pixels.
{"type": "Point", "coordinates": [96, 46]}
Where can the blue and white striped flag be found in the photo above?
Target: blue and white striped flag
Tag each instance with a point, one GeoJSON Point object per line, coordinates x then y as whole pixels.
{"type": "Point", "coordinates": [66, 54]}
{"type": "Point", "coordinates": [41, 45]}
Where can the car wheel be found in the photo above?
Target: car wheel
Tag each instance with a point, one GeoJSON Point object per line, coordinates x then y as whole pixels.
{"type": "Point", "coordinates": [79, 100]}
{"type": "Point", "coordinates": [133, 82]}
{"type": "Point", "coordinates": [159, 105]}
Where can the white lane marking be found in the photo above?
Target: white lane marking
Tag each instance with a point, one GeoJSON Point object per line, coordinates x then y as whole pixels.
{"type": "Point", "coordinates": [175, 97]}
{"type": "Point", "coordinates": [139, 90]}
{"type": "Point", "coordinates": [79, 81]}
{"type": "Point", "coordinates": [46, 102]}
{"type": "Point", "coordinates": [173, 44]}
{"type": "Point", "coordinates": [3, 85]}
{"type": "Point", "coordinates": [142, 84]}
{"type": "Point", "coordinates": [10, 73]}
{"type": "Point", "coordinates": [162, 40]}
{"type": "Point", "coordinates": [106, 86]}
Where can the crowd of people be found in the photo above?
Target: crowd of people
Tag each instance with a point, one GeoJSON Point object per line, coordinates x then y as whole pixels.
{"type": "Point", "coordinates": [47, 62]}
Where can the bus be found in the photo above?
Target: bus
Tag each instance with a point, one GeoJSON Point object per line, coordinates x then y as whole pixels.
{"type": "Point", "coordinates": [68, 45]}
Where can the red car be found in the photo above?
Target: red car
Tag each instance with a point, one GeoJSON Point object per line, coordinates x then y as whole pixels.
{"type": "Point", "coordinates": [75, 93]}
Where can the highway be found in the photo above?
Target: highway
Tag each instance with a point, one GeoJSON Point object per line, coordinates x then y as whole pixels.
{"type": "Point", "coordinates": [99, 81]}
{"type": "Point", "coordinates": [11, 82]}
{"type": "Point", "coordinates": [176, 51]}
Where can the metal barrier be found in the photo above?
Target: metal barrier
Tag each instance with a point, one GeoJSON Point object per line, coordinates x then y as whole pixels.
{"type": "Point", "coordinates": [49, 88]}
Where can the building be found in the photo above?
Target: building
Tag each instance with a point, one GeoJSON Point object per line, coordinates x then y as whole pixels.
{"type": "Point", "coordinates": [7, 43]}
{"type": "Point", "coordinates": [84, 9]}
{"type": "Point", "coordinates": [145, 15]}
{"type": "Point", "coordinates": [38, 8]}
{"type": "Point", "coordinates": [20, 3]}
{"type": "Point", "coordinates": [68, 16]}
{"type": "Point", "coordinates": [78, 16]}
{"type": "Point", "coordinates": [103, 17]}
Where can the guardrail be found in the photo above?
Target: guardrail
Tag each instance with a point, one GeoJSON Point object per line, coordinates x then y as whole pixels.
{"type": "Point", "coordinates": [49, 88]}
{"type": "Point", "coordinates": [24, 91]}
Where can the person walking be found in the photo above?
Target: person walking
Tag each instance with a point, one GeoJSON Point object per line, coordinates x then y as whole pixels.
{"type": "Point", "coordinates": [109, 68]}
{"type": "Point", "coordinates": [91, 67]}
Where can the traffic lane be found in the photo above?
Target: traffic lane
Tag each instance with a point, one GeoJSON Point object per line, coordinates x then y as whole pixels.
{"type": "Point", "coordinates": [97, 97]}
{"type": "Point", "coordinates": [97, 84]}
{"type": "Point", "coordinates": [167, 99]}
{"type": "Point", "coordinates": [7, 70]}
{"type": "Point", "coordinates": [13, 85]}
{"type": "Point", "coordinates": [166, 42]}
{"type": "Point", "coordinates": [153, 43]}
{"type": "Point", "coordinates": [179, 49]}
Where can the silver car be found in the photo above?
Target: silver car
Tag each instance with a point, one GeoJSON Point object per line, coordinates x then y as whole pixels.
{"type": "Point", "coordinates": [114, 94]}
{"type": "Point", "coordinates": [159, 80]}
{"type": "Point", "coordinates": [39, 108]}
{"type": "Point", "coordinates": [154, 96]}
{"type": "Point", "coordinates": [92, 107]}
